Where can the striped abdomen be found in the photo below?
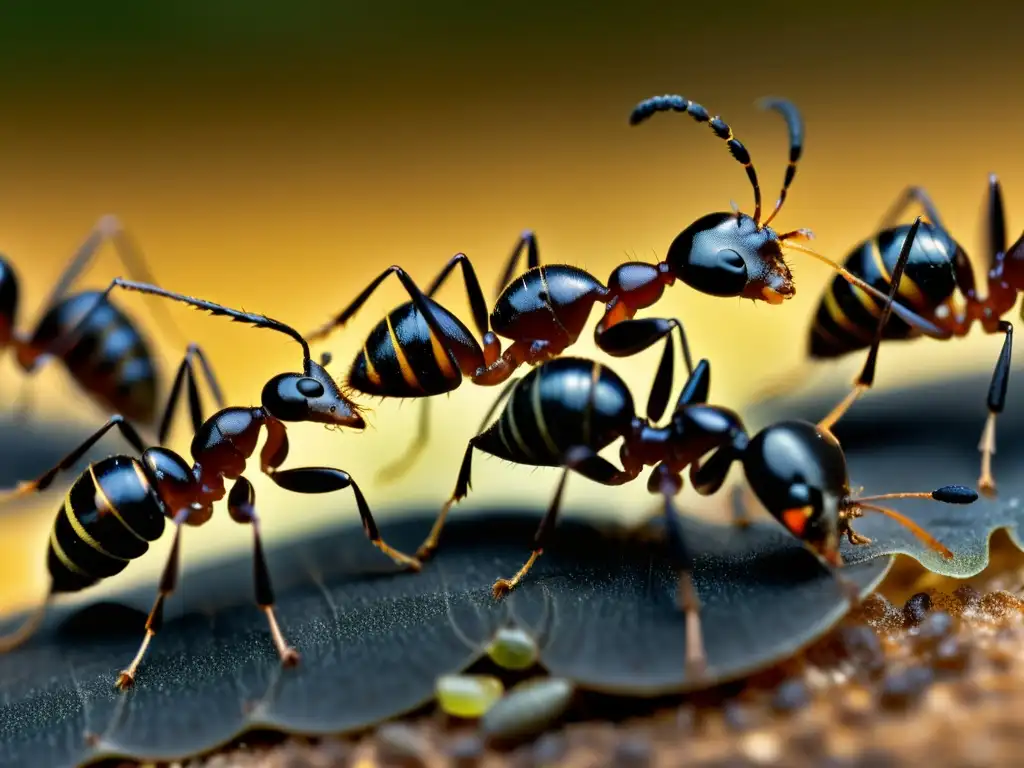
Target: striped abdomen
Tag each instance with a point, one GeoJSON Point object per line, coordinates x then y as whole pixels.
{"type": "Point", "coordinates": [109, 517]}
{"type": "Point", "coordinates": [847, 317]}
{"type": "Point", "coordinates": [111, 360]}
{"type": "Point", "coordinates": [401, 358]}
{"type": "Point", "coordinates": [550, 303]}
{"type": "Point", "coordinates": [564, 403]}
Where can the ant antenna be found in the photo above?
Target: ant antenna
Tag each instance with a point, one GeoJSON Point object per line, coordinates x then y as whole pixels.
{"type": "Point", "coordinates": [721, 129]}
{"type": "Point", "coordinates": [795, 125]}
{"type": "Point", "coordinates": [260, 321]}
{"type": "Point", "coordinates": [947, 494]}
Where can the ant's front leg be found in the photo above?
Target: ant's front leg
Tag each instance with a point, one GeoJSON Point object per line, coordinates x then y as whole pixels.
{"type": "Point", "coordinates": [328, 480]}
{"type": "Point", "coordinates": [547, 526]}
{"type": "Point", "coordinates": [241, 507]}
{"type": "Point", "coordinates": [629, 337]}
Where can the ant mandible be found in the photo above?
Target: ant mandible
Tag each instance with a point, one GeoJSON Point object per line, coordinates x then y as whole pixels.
{"type": "Point", "coordinates": [563, 412]}
{"type": "Point", "coordinates": [543, 311]}
{"type": "Point", "coordinates": [938, 267]}
{"type": "Point", "coordinates": [118, 505]}
{"type": "Point", "coordinates": [107, 357]}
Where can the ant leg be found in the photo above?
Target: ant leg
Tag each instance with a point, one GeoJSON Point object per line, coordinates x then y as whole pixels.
{"type": "Point", "coordinates": [328, 480]}
{"type": "Point", "coordinates": [708, 478]}
{"type": "Point", "coordinates": [24, 402]}
{"type": "Point", "coordinates": [547, 526]}
{"type": "Point", "coordinates": [867, 374]}
{"type": "Point", "coordinates": [908, 197]}
{"type": "Point", "coordinates": [742, 499]}
{"type": "Point", "coordinates": [586, 462]}
{"type": "Point", "coordinates": [186, 376]}
{"type": "Point", "coordinates": [668, 483]}
{"type": "Point", "coordinates": [996, 401]}
{"type": "Point", "coordinates": [155, 620]}
{"type": "Point", "coordinates": [527, 241]}
{"type": "Point", "coordinates": [107, 228]}
{"type": "Point", "coordinates": [429, 545]}
{"type": "Point", "coordinates": [418, 298]}
{"type": "Point", "coordinates": [44, 481]}
{"type": "Point", "coordinates": [241, 507]}
{"type": "Point", "coordinates": [630, 337]}
{"type": "Point", "coordinates": [398, 467]}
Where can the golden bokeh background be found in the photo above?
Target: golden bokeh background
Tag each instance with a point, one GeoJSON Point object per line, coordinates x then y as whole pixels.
{"type": "Point", "coordinates": [278, 159]}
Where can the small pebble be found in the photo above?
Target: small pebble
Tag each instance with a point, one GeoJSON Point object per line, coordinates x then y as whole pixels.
{"type": "Point", "coordinates": [400, 744]}
{"type": "Point", "coordinates": [549, 750]}
{"type": "Point", "coordinates": [863, 648]}
{"type": "Point", "coordinates": [877, 611]}
{"type": "Point", "coordinates": [936, 626]}
{"type": "Point", "coordinates": [739, 716]}
{"type": "Point", "coordinates": [633, 751]}
{"type": "Point", "coordinates": [467, 696]}
{"type": "Point", "coordinates": [527, 709]}
{"type": "Point", "coordinates": [1000, 605]}
{"type": "Point", "coordinates": [513, 648]}
{"type": "Point", "coordinates": [762, 748]}
{"type": "Point", "coordinates": [916, 608]}
{"type": "Point", "coordinates": [904, 687]}
{"type": "Point", "coordinates": [856, 705]}
{"type": "Point", "coordinates": [686, 718]}
{"type": "Point", "coordinates": [952, 655]}
{"type": "Point", "coordinates": [792, 695]}
{"type": "Point", "coordinates": [466, 751]}
{"type": "Point", "coordinates": [969, 597]}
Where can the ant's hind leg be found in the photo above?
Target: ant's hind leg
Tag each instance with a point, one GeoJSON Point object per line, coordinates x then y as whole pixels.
{"type": "Point", "coordinates": [668, 484]}
{"type": "Point", "coordinates": [547, 525]}
{"type": "Point", "coordinates": [155, 620]}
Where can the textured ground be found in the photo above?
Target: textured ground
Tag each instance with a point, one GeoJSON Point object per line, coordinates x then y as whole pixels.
{"type": "Point", "coordinates": [933, 669]}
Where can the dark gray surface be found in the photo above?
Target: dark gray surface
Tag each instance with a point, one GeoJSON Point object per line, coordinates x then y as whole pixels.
{"type": "Point", "coordinates": [601, 605]}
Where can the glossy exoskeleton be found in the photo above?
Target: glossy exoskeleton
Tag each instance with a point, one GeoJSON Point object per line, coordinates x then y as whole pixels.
{"type": "Point", "coordinates": [543, 311]}
{"type": "Point", "coordinates": [565, 411]}
{"type": "Point", "coordinates": [107, 357]}
{"type": "Point", "coordinates": [938, 269]}
{"type": "Point", "coordinates": [119, 504]}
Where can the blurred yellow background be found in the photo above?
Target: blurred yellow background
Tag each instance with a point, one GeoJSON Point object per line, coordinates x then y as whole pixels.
{"type": "Point", "coordinates": [277, 164]}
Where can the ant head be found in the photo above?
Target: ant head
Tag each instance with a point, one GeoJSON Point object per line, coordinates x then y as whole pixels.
{"type": "Point", "coordinates": [728, 254]}
{"type": "Point", "coordinates": [310, 396]}
{"type": "Point", "coordinates": [8, 300]}
{"type": "Point", "coordinates": [798, 472]}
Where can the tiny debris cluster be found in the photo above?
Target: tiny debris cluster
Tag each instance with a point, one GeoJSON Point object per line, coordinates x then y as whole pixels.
{"type": "Point", "coordinates": [939, 675]}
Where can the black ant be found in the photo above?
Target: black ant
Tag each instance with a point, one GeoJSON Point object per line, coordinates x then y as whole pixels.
{"type": "Point", "coordinates": [543, 311]}
{"type": "Point", "coordinates": [564, 411]}
{"type": "Point", "coordinates": [118, 505]}
{"type": "Point", "coordinates": [107, 357]}
{"type": "Point", "coordinates": [938, 267]}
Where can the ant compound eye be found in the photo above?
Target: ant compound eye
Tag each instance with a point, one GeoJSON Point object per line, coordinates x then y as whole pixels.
{"type": "Point", "coordinates": [310, 387]}
{"type": "Point", "coordinates": [286, 396]}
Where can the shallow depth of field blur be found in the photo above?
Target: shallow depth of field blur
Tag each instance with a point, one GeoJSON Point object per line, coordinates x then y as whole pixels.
{"type": "Point", "coordinates": [277, 160]}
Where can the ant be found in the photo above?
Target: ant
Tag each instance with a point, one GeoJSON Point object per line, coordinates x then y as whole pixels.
{"type": "Point", "coordinates": [563, 412]}
{"type": "Point", "coordinates": [543, 311]}
{"type": "Point", "coordinates": [938, 266]}
{"type": "Point", "coordinates": [119, 504]}
{"type": "Point", "coordinates": [107, 357]}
